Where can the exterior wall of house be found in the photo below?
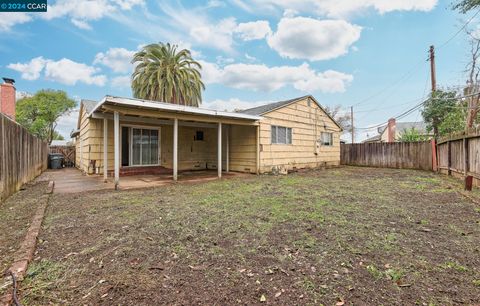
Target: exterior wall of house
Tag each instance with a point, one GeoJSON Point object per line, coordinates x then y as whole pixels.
{"type": "Point", "coordinates": [307, 121]}
{"type": "Point", "coordinates": [243, 148]}
{"type": "Point", "coordinates": [192, 154]}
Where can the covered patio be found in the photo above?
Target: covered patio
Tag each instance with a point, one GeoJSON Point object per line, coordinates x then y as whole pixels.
{"type": "Point", "coordinates": [135, 137]}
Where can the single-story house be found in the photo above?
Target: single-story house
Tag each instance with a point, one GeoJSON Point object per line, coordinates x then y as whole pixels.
{"type": "Point", "coordinates": [120, 136]}
{"type": "Point", "coordinates": [393, 131]}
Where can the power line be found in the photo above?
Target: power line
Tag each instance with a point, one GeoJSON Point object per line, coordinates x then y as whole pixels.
{"type": "Point", "coordinates": [416, 107]}
{"type": "Point", "coordinates": [458, 32]}
{"type": "Point", "coordinates": [407, 75]}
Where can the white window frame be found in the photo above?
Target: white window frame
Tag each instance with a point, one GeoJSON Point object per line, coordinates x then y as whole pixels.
{"type": "Point", "coordinates": [323, 143]}
{"type": "Point", "coordinates": [130, 144]}
{"type": "Point", "coordinates": [288, 135]}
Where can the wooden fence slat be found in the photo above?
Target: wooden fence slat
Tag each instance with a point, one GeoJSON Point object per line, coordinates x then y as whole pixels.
{"type": "Point", "coordinates": [22, 157]}
{"type": "Point", "coordinates": [409, 155]}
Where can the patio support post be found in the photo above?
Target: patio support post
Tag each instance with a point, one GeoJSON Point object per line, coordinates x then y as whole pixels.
{"type": "Point", "coordinates": [219, 154]}
{"type": "Point", "coordinates": [175, 149]}
{"type": "Point", "coordinates": [116, 129]}
{"type": "Point", "coordinates": [227, 149]}
{"type": "Point", "coordinates": [258, 149]}
{"type": "Point", "coordinates": [105, 149]}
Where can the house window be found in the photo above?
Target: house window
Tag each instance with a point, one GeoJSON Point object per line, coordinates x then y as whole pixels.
{"type": "Point", "coordinates": [144, 147]}
{"type": "Point", "coordinates": [326, 139]}
{"type": "Point", "coordinates": [198, 136]}
{"type": "Point", "coordinates": [281, 135]}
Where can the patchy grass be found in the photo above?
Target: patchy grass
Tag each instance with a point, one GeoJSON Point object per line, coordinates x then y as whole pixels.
{"type": "Point", "coordinates": [16, 214]}
{"type": "Point", "coordinates": [356, 235]}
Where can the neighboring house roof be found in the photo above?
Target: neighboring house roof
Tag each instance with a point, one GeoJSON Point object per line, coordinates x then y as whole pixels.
{"type": "Point", "coordinates": [374, 138]}
{"type": "Point", "coordinates": [167, 107]}
{"type": "Point", "coordinates": [420, 126]}
{"type": "Point", "coordinates": [60, 143]}
{"type": "Point", "coordinates": [263, 109]}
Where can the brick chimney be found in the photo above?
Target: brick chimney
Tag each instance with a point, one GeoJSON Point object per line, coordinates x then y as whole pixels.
{"type": "Point", "coordinates": [391, 126]}
{"type": "Point", "coordinates": [7, 98]}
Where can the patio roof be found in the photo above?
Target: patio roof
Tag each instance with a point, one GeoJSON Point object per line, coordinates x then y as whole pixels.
{"type": "Point", "coordinates": [169, 107]}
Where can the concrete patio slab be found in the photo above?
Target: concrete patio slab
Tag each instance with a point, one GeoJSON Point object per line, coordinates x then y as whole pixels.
{"type": "Point", "coordinates": [72, 180]}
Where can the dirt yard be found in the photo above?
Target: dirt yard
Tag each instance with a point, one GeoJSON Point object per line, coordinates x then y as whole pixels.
{"type": "Point", "coordinates": [343, 236]}
{"type": "Point", "coordinates": [15, 217]}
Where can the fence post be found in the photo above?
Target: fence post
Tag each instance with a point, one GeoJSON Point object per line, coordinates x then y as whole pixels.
{"type": "Point", "coordinates": [449, 158]}
{"type": "Point", "coordinates": [434, 155]}
{"type": "Point", "coordinates": [2, 157]}
{"type": "Point", "coordinates": [465, 156]}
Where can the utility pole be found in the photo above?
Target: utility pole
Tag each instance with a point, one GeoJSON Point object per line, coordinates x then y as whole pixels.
{"type": "Point", "coordinates": [432, 69]}
{"type": "Point", "coordinates": [353, 129]}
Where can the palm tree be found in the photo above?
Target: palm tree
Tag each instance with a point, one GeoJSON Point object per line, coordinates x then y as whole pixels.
{"type": "Point", "coordinates": [164, 74]}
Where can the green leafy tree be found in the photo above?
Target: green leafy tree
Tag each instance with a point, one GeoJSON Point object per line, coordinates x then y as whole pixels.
{"type": "Point", "coordinates": [39, 113]}
{"type": "Point", "coordinates": [411, 135]}
{"type": "Point", "coordinates": [454, 122]}
{"type": "Point", "coordinates": [58, 136]}
{"type": "Point", "coordinates": [437, 108]}
{"type": "Point", "coordinates": [162, 73]}
{"type": "Point", "coordinates": [465, 6]}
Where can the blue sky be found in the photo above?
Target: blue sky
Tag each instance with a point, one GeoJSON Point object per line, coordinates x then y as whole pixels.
{"type": "Point", "coordinates": [347, 52]}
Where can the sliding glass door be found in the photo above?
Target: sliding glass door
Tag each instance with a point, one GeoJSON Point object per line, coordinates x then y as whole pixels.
{"type": "Point", "coordinates": [144, 146]}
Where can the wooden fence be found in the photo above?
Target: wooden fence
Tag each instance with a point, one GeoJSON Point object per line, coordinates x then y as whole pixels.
{"type": "Point", "coordinates": [22, 157]}
{"type": "Point", "coordinates": [411, 155]}
{"type": "Point", "coordinates": [68, 153]}
{"type": "Point", "coordinates": [460, 156]}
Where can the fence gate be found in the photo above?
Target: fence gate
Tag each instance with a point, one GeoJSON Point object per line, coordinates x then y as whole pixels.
{"type": "Point", "coordinates": [68, 153]}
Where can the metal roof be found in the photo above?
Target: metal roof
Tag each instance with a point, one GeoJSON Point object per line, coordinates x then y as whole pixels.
{"type": "Point", "coordinates": [168, 107]}
{"type": "Point", "coordinates": [374, 138]}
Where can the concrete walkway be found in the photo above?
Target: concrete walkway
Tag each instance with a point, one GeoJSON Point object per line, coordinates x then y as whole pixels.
{"type": "Point", "coordinates": [72, 180]}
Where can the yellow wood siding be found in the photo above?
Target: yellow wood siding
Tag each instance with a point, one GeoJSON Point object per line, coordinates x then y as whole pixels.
{"type": "Point", "coordinates": [307, 121]}
{"type": "Point", "coordinates": [192, 154]}
{"type": "Point", "coordinates": [243, 148]}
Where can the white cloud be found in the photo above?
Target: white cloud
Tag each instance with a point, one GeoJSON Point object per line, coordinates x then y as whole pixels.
{"type": "Point", "coordinates": [64, 71]}
{"type": "Point", "coordinates": [127, 5]}
{"type": "Point", "coordinates": [215, 3]}
{"type": "Point", "coordinates": [68, 72]}
{"type": "Point", "coordinates": [250, 58]}
{"type": "Point", "coordinates": [253, 30]}
{"type": "Point", "coordinates": [221, 60]}
{"type": "Point", "coordinates": [329, 81]}
{"type": "Point", "coordinates": [232, 104]}
{"type": "Point", "coordinates": [338, 8]}
{"type": "Point", "coordinates": [30, 70]}
{"type": "Point", "coordinates": [67, 123]}
{"type": "Point", "coordinates": [123, 81]}
{"type": "Point", "coordinates": [264, 78]}
{"type": "Point", "coordinates": [313, 39]}
{"type": "Point", "coordinates": [8, 20]}
{"type": "Point", "coordinates": [80, 12]}
{"type": "Point", "coordinates": [117, 59]}
{"type": "Point", "coordinates": [81, 24]}
{"type": "Point", "coordinates": [217, 35]}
